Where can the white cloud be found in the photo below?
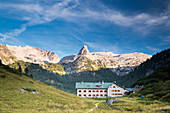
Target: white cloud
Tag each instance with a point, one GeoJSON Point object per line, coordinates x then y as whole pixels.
{"type": "Point", "coordinates": [165, 40]}
{"type": "Point", "coordinates": [9, 40]}
{"type": "Point", "coordinates": [75, 11]}
{"type": "Point", "coordinates": [152, 48]}
{"type": "Point", "coordinates": [101, 46]}
{"type": "Point", "coordinates": [104, 47]}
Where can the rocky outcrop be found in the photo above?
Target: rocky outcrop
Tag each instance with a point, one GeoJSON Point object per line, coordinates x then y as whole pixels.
{"type": "Point", "coordinates": [27, 54]}
{"type": "Point", "coordinates": [121, 64]}
{"type": "Point", "coordinates": [6, 56]}
{"type": "Point", "coordinates": [84, 51]}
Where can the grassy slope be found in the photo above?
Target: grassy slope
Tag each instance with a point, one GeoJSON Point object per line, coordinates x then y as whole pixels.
{"type": "Point", "coordinates": [156, 85]}
{"type": "Point", "coordinates": [11, 100]}
{"type": "Point", "coordinates": [157, 61]}
{"type": "Point", "coordinates": [136, 104]}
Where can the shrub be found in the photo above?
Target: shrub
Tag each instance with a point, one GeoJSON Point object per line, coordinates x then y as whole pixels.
{"type": "Point", "coordinates": [134, 95]}
{"type": "Point", "coordinates": [2, 76]}
{"type": "Point", "coordinates": [29, 89]}
{"type": "Point", "coordinates": [166, 97]}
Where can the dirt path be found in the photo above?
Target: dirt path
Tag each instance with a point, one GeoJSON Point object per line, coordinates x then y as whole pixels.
{"type": "Point", "coordinates": [96, 105]}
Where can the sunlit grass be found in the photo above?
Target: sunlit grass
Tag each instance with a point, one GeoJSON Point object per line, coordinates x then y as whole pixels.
{"type": "Point", "coordinates": [56, 101]}
{"type": "Point", "coordinates": [135, 104]}
{"type": "Point", "coordinates": [49, 100]}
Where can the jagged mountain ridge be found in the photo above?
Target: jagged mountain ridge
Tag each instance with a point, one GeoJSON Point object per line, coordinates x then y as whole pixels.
{"type": "Point", "coordinates": [9, 54]}
{"type": "Point", "coordinates": [121, 64]}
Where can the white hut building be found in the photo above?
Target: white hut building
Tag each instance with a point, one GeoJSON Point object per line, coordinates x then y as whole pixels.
{"type": "Point", "coordinates": [99, 89]}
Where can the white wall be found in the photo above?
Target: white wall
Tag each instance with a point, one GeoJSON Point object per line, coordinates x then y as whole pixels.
{"type": "Point", "coordinates": [109, 92]}
{"type": "Point", "coordinates": [113, 94]}
{"type": "Point", "coordinates": [92, 93]}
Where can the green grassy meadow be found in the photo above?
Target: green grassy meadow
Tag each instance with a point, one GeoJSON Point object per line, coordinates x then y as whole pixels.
{"type": "Point", "coordinates": [136, 104]}
{"type": "Point", "coordinates": [49, 100]}
{"type": "Point", "coordinates": [53, 100]}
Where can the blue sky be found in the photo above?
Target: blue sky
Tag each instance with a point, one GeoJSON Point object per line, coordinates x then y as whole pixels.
{"type": "Point", "coordinates": [64, 26]}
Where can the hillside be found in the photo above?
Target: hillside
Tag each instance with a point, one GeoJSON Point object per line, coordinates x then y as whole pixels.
{"type": "Point", "coordinates": [19, 93]}
{"type": "Point", "coordinates": [65, 82]}
{"type": "Point", "coordinates": [156, 85]}
{"type": "Point", "coordinates": [157, 61]}
{"type": "Point", "coordinates": [22, 94]}
{"type": "Point", "coordinates": [120, 64]}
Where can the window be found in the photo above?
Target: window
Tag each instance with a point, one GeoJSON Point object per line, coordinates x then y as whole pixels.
{"type": "Point", "coordinates": [84, 90]}
{"type": "Point", "coordinates": [120, 93]}
{"type": "Point", "coordinates": [97, 91]}
{"type": "Point", "coordinates": [118, 90]}
{"type": "Point", "coordinates": [113, 94]}
{"type": "Point", "coordinates": [98, 85]}
{"type": "Point", "coordinates": [89, 95]}
{"type": "Point", "coordinates": [93, 90]}
{"type": "Point", "coordinates": [89, 90]}
{"type": "Point", "coordinates": [113, 90]}
{"type": "Point", "coordinates": [93, 95]}
{"type": "Point", "coordinates": [80, 95]}
{"type": "Point", "coordinates": [101, 91]}
{"type": "Point", "coordinates": [114, 86]}
{"type": "Point", "coordinates": [116, 94]}
{"type": "Point", "coordinates": [105, 91]}
{"type": "Point", "coordinates": [84, 94]}
{"type": "Point", "coordinates": [97, 95]}
{"type": "Point", "coordinates": [101, 95]}
{"type": "Point", "coordinates": [105, 95]}
{"type": "Point", "coordinates": [79, 90]}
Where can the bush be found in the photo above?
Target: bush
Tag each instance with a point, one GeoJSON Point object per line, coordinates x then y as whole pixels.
{"type": "Point", "coordinates": [29, 89]}
{"type": "Point", "coordinates": [134, 95]}
{"type": "Point", "coordinates": [2, 76]}
{"type": "Point", "coordinates": [160, 94]}
{"type": "Point", "coordinates": [166, 97]}
{"type": "Point", "coordinates": [150, 95]}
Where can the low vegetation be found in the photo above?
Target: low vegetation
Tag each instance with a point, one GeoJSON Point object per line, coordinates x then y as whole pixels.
{"type": "Point", "coordinates": [55, 68]}
{"type": "Point", "coordinates": [157, 61]}
{"type": "Point", "coordinates": [135, 104]}
{"type": "Point", "coordinates": [22, 94]}
{"type": "Point", "coordinates": [157, 85]}
{"type": "Point", "coordinates": [16, 96]}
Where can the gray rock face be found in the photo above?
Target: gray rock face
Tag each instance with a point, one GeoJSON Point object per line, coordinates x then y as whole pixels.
{"type": "Point", "coordinates": [121, 64]}
{"type": "Point", "coordinates": [27, 54]}
{"type": "Point", "coordinates": [84, 51]}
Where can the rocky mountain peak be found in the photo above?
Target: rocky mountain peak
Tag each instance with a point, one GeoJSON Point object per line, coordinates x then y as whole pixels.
{"type": "Point", "coordinates": [84, 51]}
{"type": "Point", "coordinates": [27, 54]}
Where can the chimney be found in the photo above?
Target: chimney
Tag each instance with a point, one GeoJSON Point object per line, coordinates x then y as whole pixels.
{"type": "Point", "coordinates": [102, 82]}
{"type": "Point", "coordinates": [82, 82]}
